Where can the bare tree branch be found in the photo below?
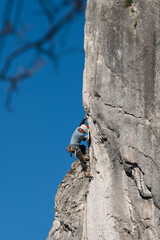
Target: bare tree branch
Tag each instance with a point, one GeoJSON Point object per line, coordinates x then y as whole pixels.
{"type": "Point", "coordinates": [48, 12]}
{"type": "Point", "coordinates": [14, 80]}
{"type": "Point", "coordinates": [38, 43]}
{"type": "Point", "coordinates": [17, 15]}
{"type": "Point", "coordinates": [38, 46]}
{"type": "Point", "coordinates": [7, 15]}
{"type": "Point", "coordinates": [9, 26]}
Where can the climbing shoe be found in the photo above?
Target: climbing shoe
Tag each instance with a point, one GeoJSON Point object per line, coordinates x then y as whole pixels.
{"type": "Point", "coordinates": [88, 175]}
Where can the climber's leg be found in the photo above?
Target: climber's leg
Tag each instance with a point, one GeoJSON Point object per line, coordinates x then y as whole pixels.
{"type": "Point", "coordinates": [81, 157]}
{"type": "Point", "coordinates": [83, 149]}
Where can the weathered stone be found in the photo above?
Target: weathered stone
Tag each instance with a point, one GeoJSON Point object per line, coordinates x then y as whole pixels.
{"type": "Point", "coordinates": [121, 97]}
{"type": "Point", "coordinates": [70, 204]}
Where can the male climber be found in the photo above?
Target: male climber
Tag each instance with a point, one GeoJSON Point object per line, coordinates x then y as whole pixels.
{"type": "Point", "coordinates": [75, 146]}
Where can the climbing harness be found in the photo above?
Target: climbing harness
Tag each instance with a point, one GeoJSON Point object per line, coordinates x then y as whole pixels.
{"type": "Point", "coordinates": [77, 151]}
{"type": "Point", "coordinates": [71, 150]}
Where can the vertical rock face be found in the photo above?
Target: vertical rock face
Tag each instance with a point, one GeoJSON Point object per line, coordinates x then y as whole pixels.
{"type": "Point", "coordinates": [121, 97]}
{"type": "Point", "coordinates": [70, 206]}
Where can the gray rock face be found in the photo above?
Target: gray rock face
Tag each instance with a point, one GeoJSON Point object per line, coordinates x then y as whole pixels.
{"type": "Point", "coordinates": [70, 206]}
{"type": "Point", "coordinates": [121, 97]}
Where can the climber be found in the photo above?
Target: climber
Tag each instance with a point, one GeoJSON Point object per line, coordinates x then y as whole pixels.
{"type": "Point", "coordinates": [78, 149]}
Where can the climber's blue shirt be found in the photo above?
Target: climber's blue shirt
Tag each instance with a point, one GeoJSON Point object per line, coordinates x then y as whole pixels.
{"type": "Point", "coordinates": [77, 137]}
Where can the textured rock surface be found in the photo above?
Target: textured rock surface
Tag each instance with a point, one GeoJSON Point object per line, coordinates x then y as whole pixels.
{"type": "Point", "coordinates": [70, 206]}
{"type": "Point", "coordinates": [121, 95]}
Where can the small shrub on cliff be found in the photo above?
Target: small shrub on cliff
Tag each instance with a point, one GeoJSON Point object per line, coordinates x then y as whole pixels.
{"type": "Point", "coordinates": [128, 3]}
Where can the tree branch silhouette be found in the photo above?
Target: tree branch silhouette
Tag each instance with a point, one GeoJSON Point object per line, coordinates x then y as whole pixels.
{"type": "Point", "coordinates": [43, 45]}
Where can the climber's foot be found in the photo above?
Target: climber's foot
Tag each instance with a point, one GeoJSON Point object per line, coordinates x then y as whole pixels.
{"type": "Point", "coordinates": [88, 175]}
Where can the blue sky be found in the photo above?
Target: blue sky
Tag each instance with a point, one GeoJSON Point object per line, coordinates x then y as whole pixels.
{"type": "Point", "coordinates": [47, 109]}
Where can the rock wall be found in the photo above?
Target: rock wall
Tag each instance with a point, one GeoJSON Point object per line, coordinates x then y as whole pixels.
{"type": "Point", "coordinates": [121, 97]}
{"type": "Point", "coordinates": [70, 206]}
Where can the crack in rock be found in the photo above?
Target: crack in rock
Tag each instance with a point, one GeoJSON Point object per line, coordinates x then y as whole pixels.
{"type": "Point", "coordinates": [134, 171]}
{"type": "Point", "coordinates": [145, 155]}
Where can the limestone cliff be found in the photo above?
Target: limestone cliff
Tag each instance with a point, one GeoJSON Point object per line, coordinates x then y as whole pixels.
{"type": "Point", "coordinates": [121, 97]}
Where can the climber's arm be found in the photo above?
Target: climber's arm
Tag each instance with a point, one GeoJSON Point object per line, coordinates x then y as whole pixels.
{"type": "Point", "coordinates": [85, 137]}
{"type": "Point", "coordinates": [83, 121]}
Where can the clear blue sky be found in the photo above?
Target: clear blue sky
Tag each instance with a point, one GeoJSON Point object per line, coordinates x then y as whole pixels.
{"type": "Point", "coordinates": [47, 109]}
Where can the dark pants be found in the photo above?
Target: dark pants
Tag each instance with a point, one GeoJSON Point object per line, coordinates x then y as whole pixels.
{"type": "Point", "coordinates": [80, 151]}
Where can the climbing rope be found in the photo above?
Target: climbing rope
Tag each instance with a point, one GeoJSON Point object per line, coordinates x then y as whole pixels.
{"type": "Point", "coordinates": [84, 237]}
